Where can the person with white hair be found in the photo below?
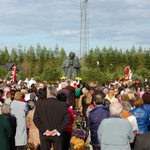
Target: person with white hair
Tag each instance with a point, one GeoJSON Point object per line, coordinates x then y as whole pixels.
{"type": "Point", "coordinates": [64, 90]}
{"type": "Point", "coordinates": [125, 113]}
{"type": "Point", "coordinates": [51, 117]}
{"type": "Point", "coordinates": [115, 133]}
{"type": "Point", "coordinates": [41, 92]}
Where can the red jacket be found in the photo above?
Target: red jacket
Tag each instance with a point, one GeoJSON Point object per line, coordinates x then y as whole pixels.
{"type": "Point", "coordinates": [69, 127]}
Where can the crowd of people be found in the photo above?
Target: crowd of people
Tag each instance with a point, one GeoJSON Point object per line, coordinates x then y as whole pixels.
{"type": "Point", "coordinates": [39, 116]}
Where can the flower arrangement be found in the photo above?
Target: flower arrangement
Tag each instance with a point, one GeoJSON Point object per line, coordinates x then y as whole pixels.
{"type": "Point", "coordinates": [63, 78]}
{"type": "Point", "coordinates": [79, 133]}
{"type": "Point", "coordinates": [78, 121]}
{"type": "Point", "coordinates": [77, 113]}
{"type": "Point", "coordinates": [78, 144]}
{"type": "Point", "coordinates": [78, 78]}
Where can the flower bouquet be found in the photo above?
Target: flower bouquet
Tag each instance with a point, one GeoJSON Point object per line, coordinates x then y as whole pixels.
{"type": "Point", "coordinates": [78, 78]}
{"type": "Point", "coordinates": [78, 121]}
{"type": "Point", "coordinates": [78, 144]}
{"type": "Point", "coordinates": [77, 113]}
{"type": "Point", "coordinates": [79, 135]}
{"type": "Point", "coordinates": [63, 78]}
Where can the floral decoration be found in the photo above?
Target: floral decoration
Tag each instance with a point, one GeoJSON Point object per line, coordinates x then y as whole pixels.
{"type": "Point", "coordinates": [78, 78]}
{"type": "Point", "coordinates": [78, 144]}
{"type": "Point", "coordinates": [79, 133]}
{"type": "Point", "coordinates": [63, 78]}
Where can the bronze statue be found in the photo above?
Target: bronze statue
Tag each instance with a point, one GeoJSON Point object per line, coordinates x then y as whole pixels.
{"type": "Point", "coordinates": [71, 66]}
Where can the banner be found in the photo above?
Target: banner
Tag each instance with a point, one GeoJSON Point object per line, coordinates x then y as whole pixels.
{"type": "Point", "coordinates": [14, 68]}
{"type": "Point", "coordinates": [127, 74]}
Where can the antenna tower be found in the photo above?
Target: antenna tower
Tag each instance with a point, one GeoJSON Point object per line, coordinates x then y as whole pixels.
{"type": "Point", "coordinates": [84, 29]}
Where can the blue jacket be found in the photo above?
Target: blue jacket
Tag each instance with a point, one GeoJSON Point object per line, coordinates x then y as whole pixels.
{"type": "Point", "coordinates": [96, 116]}
{"type": "Point", "coordinates": [147, 107]}
{"type": "Point", "coordinates": [142, 117]}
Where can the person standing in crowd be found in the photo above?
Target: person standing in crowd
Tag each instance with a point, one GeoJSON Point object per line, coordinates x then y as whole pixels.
{"type": "Point", "coordinates": [146, 83]}
{"type": "Point", "coordinates": [7, 98]}
{"type": "Point", "coordinates": [41, 92]}
{"type": "Point", "coordinates": [6, 91]}
{"type": "Point", "coordinates": [2, 100]}
{"type": "Point", "coordinates": [45, 85]}
{"type": "Point", "coordinates": [27, 81]}
{"type": "Point", "coordinates": [124, 98]}
{"type": "Point", "coordinates": [115, 133]}
{"type": "Point", "coordinates": [12, 94]}
{"type": "Point", "coordinates": [146, 99]}
{"type": "Point", "coordinates": [64, 90]}
{"type": "Point", "coordinates": [62, 97]}
{"type": "Point", "coordinates": [142, 142]}
{"type": "Point", "coordinates": [33, 133]}
{"type": "Point", "coordinates": [125, 113]}
{"type": "Point", "coordinates": [5, 109]}
{"type": "Point", "coordinates": [31, 82]}
{"type": "Point", "coordinates": [77, 96]}
{"type": "Point", "coordinates": [132, 97]}
{"type": "Point", "coordinates": [5, 133]}
{"type": "Point", "coordinates": [71, 94]}
{"type": "Point", "coordinates": [19, 110]}
{"type": "Point", "coordinates": [84, 102]}
{"type": "Point", "coordinates": [95, 117]}
{"type": "Point", "coordinates": [141, 115]}
{"type": "Point", "coordinates": [147, 88]}
{"type": "Point", "coordinates": [111, 96]}
{"type": "Point", "coordinates": [51, 117]}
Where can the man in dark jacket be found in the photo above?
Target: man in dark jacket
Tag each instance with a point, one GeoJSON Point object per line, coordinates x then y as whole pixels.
{"type": "Point", "coordinates": [142, 142]}
{"type": "Point", "coordinates": [96, 116]}
{"type": "Point", "coordinates": [51, 118]}
{"type": "Point", "coordinates": [71, 94]}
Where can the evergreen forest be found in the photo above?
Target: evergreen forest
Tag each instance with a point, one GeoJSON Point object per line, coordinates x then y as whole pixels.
{"type": "Point", "coordinates": [100, 65]}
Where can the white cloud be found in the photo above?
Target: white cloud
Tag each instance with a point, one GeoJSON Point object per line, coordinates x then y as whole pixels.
{"type": "Point", "coordinates": [111, 21]}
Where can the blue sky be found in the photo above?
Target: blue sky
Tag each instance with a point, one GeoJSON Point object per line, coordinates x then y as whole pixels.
{"type": "Point", "coordinates": [116, 23]}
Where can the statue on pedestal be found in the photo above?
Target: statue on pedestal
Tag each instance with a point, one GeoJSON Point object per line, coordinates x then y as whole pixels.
{"type": "Point", "coordinates": [71, 66]}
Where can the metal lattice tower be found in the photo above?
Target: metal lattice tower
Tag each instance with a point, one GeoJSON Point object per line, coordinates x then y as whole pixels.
{"type": "Point", "coordinates": [84, 29]}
